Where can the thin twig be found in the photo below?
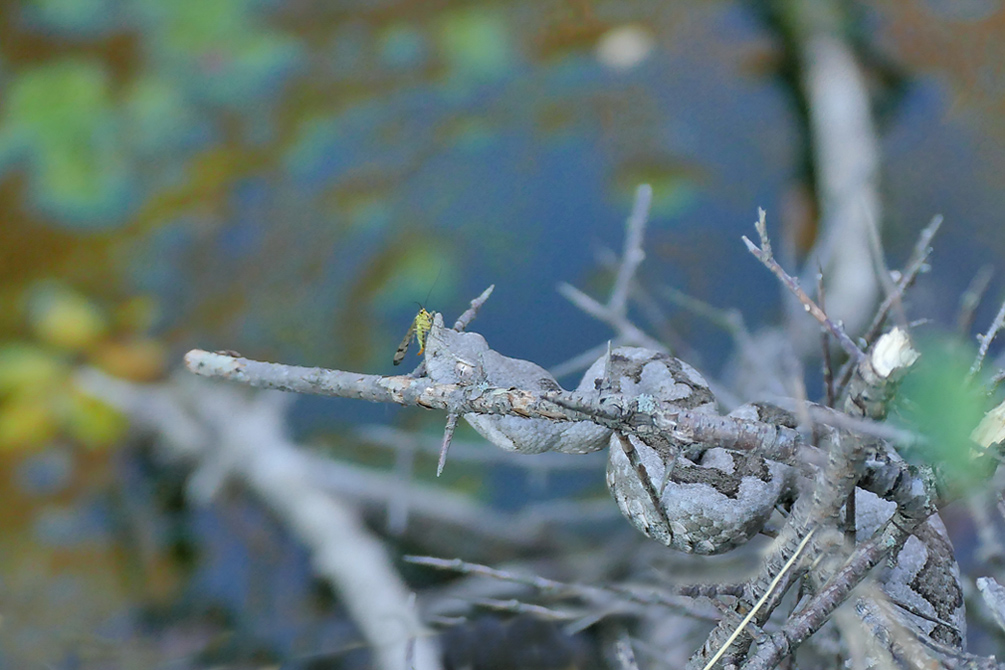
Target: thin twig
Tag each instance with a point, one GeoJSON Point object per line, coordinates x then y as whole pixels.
{"type": "Point", "coordinates": [971, 298]}
{"type": "Point", "coordinates": [884, 275]}
{"type": "Point", "coordinates": [633, 254]}
{"type": "Point", "coordinates": [764, 254]}
{"type": "Point", "coordinates": [448, 435]}
{"type": "Point", "coordinates": [465, 319]}
{"type": "Point", "coordinates": [615, 311]}
{"type": "Point", "coordinates": [676, 598]}
{"type": "Point", "coordinates": [916, 264]}
{"type": "Point", "coordinates": [541, 584]}
{"type": "Point", "coordinates": [628, 332]}
{"type": "Point", "coordinates": [730, 320]}
{"type": "Point", "coordinates": [519, 607]}
{"type": "Point", "coordinates": [825, 347]}
{"type": "Point", "coordinates": [649, 307]}
{"type": "Point", "coordinates": [580, 361]}
{"type": "Point", "coordinates": [986, 339]}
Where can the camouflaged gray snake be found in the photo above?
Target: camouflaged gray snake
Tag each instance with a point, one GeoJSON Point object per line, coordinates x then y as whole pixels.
{"type": "Point", "coordinates": [710, 499]}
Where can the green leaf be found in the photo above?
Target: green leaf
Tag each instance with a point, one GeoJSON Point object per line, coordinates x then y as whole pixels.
{"type": "Point", "coordinates": [936, 401]}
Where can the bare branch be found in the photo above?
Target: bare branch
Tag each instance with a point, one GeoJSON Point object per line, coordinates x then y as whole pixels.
{"type": "Point", "coordinates": [764, 254]}
{"type": "Point", "coordinates": [615, 312]}
{"type": "Point", "coordinates": [730, 320]}
{"type": "Point", "coordinates": [986, 339]}
{"type": "Point", "coordinates": [465, 319]}
{"type": "Point", "coordinates": [448, 435]}
{"type": "Point", "coordinates": [514, 606]}
{"type": "Point", "coordinates": [825, 347]}
{"type": "Point", "coordinates": [650, 309]}
{"type": "Point", "coordinates": [971, 298]}
{"type": "Point", "coordinates": [581, 361]}
{"type": "Point", "coordinates": [815, 613]}
{"type": "Point", "coordinates": [633, 255]}
{"type": "Point", "coordinates": [629, 333]}
{"type": "Point", "coordinates": [233, 434]}
{"type": "Point", "coordinates": [677, 599]}
{"type": "Point", "coordinates": [402, 390]}
{"type": "Point", "coordinates": [916, 264]}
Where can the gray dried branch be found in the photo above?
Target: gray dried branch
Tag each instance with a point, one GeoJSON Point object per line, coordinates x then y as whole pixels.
{"type": "Point", "coordinates": [846, 156]}
{"type": "Point", "coordinates": [971, 298]}
{"type": "Point", "coordinates": [916, 264]}
{"type": "Point", "coordinates": [633, 255]}
{"type": "Point", "coordinates": [615, 311]}
{"type": "Point", "coordinates": [448, 435]}
{"type": "Point", "coordinates": [825, 347]}
{"type": "Point", "coordinates": [628, 333]}
{"type": "Point", "coordinates": [623, 651]}
{"type": "Point", "coordinates": [465, 319]}
{"type": "Point", "coordinates": [228, 433]}
{"type": "Point", "coordinates": [986, 339]}
{"type": "Point", "coordinates": [603, 596]}
{"type": "Point", "coordinates": [768, 440]}
{"type": "Point", "coordinates": [765, 255]}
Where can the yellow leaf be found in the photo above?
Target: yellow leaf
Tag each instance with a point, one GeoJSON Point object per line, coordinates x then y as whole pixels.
{"type": "Point", "coordinates": [27, 422]}
{"type": "Point", "coordinates": [65, 319]}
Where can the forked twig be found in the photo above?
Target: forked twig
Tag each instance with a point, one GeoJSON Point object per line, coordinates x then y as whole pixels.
{"type": "Point", "coordinates": [916, 264]}
{"type": "Point", "coordinates": [615, 311]}
{"type": "Point", "coordinates": [627, 331]}
{"type": "Point", "coordinates": [765, 255]}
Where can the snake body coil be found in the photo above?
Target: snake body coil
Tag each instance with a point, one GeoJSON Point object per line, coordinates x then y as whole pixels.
{"type": "Point", "coordinates": [697, 498]}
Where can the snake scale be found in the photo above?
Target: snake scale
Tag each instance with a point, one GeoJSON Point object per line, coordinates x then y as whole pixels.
{"type": "Point", "coordinates": [701, 498]}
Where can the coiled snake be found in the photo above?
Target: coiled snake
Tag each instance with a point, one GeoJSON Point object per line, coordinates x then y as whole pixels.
{"type": "Point", "coordinates": [699, 498]}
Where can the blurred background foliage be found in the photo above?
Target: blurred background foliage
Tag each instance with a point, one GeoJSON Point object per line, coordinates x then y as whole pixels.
{"type": "Point", "coordinates": [287, 179]}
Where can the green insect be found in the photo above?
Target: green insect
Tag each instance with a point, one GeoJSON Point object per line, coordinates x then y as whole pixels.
{"type": "Point", "coordinates": [421, 325]}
